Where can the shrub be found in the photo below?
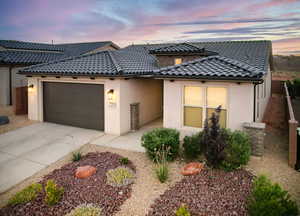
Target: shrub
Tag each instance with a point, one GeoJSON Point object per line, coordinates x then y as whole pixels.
{"type": "Point", "coordinates": [182, 211]}
{"type": "Point", "coordinates": [238, 150]}
{"type": "Point", "coordinates": [124, 160]}
{"type": "Point", "coordinates": [269, 199]}
{"type": "Point", "coordinates": [192, 146]}
{"type": "Point", "coordinates": [76, 156]}
{"type": "Point", "coordinates": [296, 83]}
{"type": "Point", "coordinates": [160, 138]}
{"type": "Point", "coordinates": [26, 195]}
{"type": "Point", "coordinates": [85, 210]}
{"type": "Point", "coordinates": [214, 140]}
{"type": "Point", "coordinates": [53, 193]}
{"type": "Point", "coordinates": [120, 176]}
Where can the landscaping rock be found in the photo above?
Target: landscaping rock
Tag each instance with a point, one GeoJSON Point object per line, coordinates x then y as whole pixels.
{"type": "Point", "coordinates": [193, 168]}
{"type": "Point", "coordinates": [4, 120]}
{"type": "Point", "coordinates": [85, 171]}
{"type": "Point", "coordinates": [92, 190]}
{"type": "Point", "coordinates": [212, 192]}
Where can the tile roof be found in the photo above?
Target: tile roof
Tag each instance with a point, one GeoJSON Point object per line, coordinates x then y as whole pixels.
{"type": "Point", "coordinates": [185, 48]}
{"type": "Point", "coordinates": [104, 63]}
{"type": "Point", "coordinates": [19, 52]}
{"type": "Point", "coordinates": [254, 53]}
{"type": "Point", "coordinates": [28, 57]}
{"type": "Point", "coordinates": [74, 49]}
{"type": "Point", "coordinates": [236, 60]}
{"type": "Point", "coordinates": [213, 66]}
{"type": "Point", "coordinates": [11, 44]}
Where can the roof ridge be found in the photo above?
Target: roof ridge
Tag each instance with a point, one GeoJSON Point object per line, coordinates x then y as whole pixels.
{"type": "Point", "coordinates": [83, 42]}
{"type": "Point", "coordinates": [192, 42]}
{"type": "Point", "coordinates": [116, 64]}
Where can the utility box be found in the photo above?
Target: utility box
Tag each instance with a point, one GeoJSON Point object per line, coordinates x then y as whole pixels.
{"type": "Point", "coordinates": [134, 116]}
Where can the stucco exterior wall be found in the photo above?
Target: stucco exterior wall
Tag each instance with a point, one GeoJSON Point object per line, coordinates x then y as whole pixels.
{"type": "Point", "coordinates": [17, 81]}
{"type": "Point", "coordinates": [4, 85]}
{"type": "Point", "coordinates": [239, 99]}
{"type": "Point", "coordinates": [146, 92]}
{"type": "Point", "coordinates": [117, 114]}
{"type": "Point", "coordinates": [165, 60]}
{"type": "Point", "coordinates": [263, 93]}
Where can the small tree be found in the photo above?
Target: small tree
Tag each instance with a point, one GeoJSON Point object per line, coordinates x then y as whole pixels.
{"type": "Point", "coordinates": [214, 140]}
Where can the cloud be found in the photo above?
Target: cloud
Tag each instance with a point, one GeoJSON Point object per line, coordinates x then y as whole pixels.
{"type": "Point", "coordinates": [263, 5]}
{"type": "Point", "coordinates": [213, 22]}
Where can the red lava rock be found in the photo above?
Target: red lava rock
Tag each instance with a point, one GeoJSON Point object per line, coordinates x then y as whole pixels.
{"type": "Point", "coordinates": [83, 172]}
{"type": "Point", "coordinates": [94, 189]}
{"type": "Point", "coordinates": [212, 192]}
{"type": "Point", "coordinates": [192, 169]}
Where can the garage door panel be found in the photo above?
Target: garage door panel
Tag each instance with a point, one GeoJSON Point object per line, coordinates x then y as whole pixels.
{"type": "Point", "coordinates": [75, 104]}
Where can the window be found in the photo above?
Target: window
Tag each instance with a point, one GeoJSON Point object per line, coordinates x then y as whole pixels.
{"type": "Point", "coordinates": [178, 61]}
{"type": "Point", "coordinates": [193, 106]}
{"type": "Point", "coordinates": [201, 102]}
{"type": "Point", "coordinates": [215, 98]}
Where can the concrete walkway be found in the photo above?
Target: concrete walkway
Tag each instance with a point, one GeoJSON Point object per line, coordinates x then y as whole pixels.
{"type": "Point", "coordinates": [27, 150]}
{"type": "Point", "coordinates": [130, 141]}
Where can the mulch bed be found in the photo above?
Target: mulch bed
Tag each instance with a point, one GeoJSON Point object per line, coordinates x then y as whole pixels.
{"type": "Point", "coordinates": [78, 191]}
{"type": "Point", "coordinates": [212, 192]}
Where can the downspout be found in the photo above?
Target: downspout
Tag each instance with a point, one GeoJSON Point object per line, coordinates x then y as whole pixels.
{"type": "Point", "coordinates": [10, 85]}
{"type": "Point", "coordinates": [254, 105]}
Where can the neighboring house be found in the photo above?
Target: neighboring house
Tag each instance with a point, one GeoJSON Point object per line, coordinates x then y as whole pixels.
{"type": "Point", "coordinates": [15, 55]}
{"type": "Point", "coordinates": [183, 83]}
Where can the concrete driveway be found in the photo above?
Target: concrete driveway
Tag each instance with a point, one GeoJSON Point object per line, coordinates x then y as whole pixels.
{"type": "Point", "coordinates": [27, 150]}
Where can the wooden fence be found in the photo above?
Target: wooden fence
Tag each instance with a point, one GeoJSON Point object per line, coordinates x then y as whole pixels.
{"type": "Point", "coordinates": [21, 100]}
{"type": "Point", "coordinates": [293, 124]}
{"type": "Point", "coordinates": [277, 87]}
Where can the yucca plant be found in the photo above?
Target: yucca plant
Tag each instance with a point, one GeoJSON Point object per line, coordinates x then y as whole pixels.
{"type": "Point", "coordinates": [76, 156]}
{"type": "Point", "coordinates": [161, 167]}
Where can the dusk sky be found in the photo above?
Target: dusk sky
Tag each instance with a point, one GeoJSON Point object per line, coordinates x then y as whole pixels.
{"type": "Point", "coordinates": [153, 21]}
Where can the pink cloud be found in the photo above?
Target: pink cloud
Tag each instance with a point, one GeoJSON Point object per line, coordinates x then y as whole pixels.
{"type": "Point", "coordinates": [268, 4]}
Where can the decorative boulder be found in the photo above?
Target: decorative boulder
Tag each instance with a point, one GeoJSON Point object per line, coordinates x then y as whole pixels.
{"type": "Point", "coordinates": [193, 168]}
{"type": "Point", "coordinates": [4, 120]}
{"type": "Point", "coordinates": [85, 171]}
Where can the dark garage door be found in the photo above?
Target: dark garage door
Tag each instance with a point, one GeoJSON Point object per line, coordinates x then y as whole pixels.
{"type": "Point", "coordinates": [75, 104]}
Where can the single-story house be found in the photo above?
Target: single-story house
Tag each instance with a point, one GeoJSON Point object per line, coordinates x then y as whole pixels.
{"type": "Point", "coordinates": [15, 55]}
{"type": "Point", "coordinates": [181, 82]}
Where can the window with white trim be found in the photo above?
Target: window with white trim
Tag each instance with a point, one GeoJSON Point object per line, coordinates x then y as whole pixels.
{"type": "Point", "coordinates": [177, 61]}
{"type": "Point", "coordinates": [201, 102]}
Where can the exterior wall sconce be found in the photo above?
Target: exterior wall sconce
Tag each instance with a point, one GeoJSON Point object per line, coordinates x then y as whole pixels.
{"type": "Point", "coordinates": [111, 96]}
{"type": "Point", "coordinates": [30, 88]}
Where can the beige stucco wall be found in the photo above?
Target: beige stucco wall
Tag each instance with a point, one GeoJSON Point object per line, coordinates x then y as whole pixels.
{"type": "Point", "coordinates": [148, 93]}
{"type": "Point", "coordinates": [17, 81]}
{"type": "Point", "coordinates": [117, 115]}
{"type": "Point", "coordinates": [240, 103]}
{"type": "Point", "coordinates": [4, 85]}
{"type": "Point", "coordinates": [263, 93]}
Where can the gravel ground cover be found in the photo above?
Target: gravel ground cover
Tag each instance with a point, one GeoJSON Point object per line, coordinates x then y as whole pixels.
{"type": "Point", "coordinates": [78, 191]}
{"type": "Point", "coordinates": [212, 192]}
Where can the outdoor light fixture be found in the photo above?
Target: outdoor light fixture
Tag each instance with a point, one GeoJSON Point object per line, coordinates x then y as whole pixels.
{"type": "Point", "coordinates": [30, 87]}
{"type": "Point", "coordinates": [111, 96]}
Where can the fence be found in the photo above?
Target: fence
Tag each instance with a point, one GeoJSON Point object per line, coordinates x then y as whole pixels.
{"type": "Point", "coordinates": [293, 124]}
{"type": "Point", "coordinates": [21, 100]}
{"type": "Point", "coordinates": [277, 87]}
